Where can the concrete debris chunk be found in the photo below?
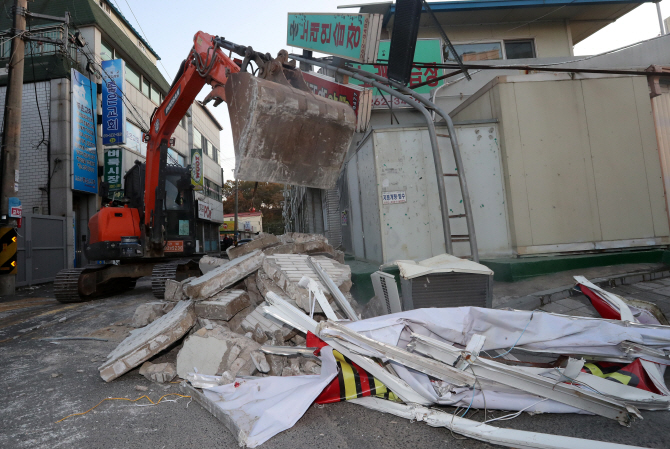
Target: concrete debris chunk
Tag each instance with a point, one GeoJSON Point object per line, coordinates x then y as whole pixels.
{"type": "Point", "coordinates": [252, 289]}
{"type": "Point", "coordinates": [208, 263]}
{"type": "Point", "coordinates": [260, 361]}
{"type": "Point", "coordinates": [148, 312]}
{"type": "Point", "coordinates": [215, 351]}
{"type": "Point", "coordinates": [286, 270]}
{"type": "Point", "coordinates": [311, 367]}
{"type": "Point", "coordinates": [262, 241]}
{"type": "Point", "coordinates": [223, 306]}
{"type": "Point", "coordinates": [144, 343]}
{"type": "Point", "coordinates": [224, 276]}
{"type": "Point", "coordinates": [299, 237]}
{"type": "Point", "coordinates": [158, 372]}
{"type": "Point", "coordinates": [267, 323]}
{"type": "Point", "coordinates": [235, 323]}
{"type": "Point", "coordinates": [141, 388]}
{"type": "Point", "coordinates": [174, 290]}
{"type": "Point", "coordinates": [265, 285]}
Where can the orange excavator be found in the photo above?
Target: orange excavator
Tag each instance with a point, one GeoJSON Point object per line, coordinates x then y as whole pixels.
{"type": "Point", "coordinates": [282, 132]}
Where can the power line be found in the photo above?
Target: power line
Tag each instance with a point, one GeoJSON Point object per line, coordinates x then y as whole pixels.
{"type": "Point", "coordinates": [145, 37]}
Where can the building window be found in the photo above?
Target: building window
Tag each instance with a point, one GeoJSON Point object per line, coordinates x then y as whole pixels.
{"type": "Point", "coordinates": [211, 237]}
{"type": "Point", "coordinates": [146, 88]}
{"type": "Point", "coordinates": [134, 139]}
{"type": "Point", "coordinates": [175, 158]}
{"type": "Point", "coordinates": [132, 77]}
{"type": "Point", "coordinates": [520, 49]}
{"type": "Point", "coordinates": [155, 95]}
{"type": "Point", "coordinates": [105, 7]}
{"type": "Point", "coordinates": [197, 139]}
{"type": "Point", "coordinates": [215, 154]}
{"type": "Point", "coordinates": [484, 51]}
{"type": "Point", "coordinates": [106, 51]}
{"type": "Point", "coordinates": [206, 147]}
{"type": "Point", "coordinates": [212, 190]}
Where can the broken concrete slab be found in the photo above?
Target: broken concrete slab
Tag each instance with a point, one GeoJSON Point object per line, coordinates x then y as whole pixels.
{"type": "Point", "coordinates": [286, 270]}
{"type": "Point", "coordinates": [260, 361]}
{"type": "Point", "coordinates": [158, 372]}
{"type": "Point", "coordinates": [223, 306]}
{"type": "Point", "coordinates": [265, 285]}
{"type": "Point", "coordinates": [235, 323]}
{"type": "Point", "coordinates": [262, 241]}
{"type": "Point", "coordinates": [208, 263]}
{"type": "Point", "coordinates": [174, 290]}
{"type": "Point", "coordinates": [252, 289]}
{"type": "Point", "coordinates": [148, 341]}
{"type": "Point", "coordinates": [215, 351]}
{"type": "Point", "coordinates": [267, 323]}
{"type": "Point", "coordinates": [148, 312]}
{"type": "Point", "coordinates": [299, 237]}
{"type": "Point", "coordinates": [224, 276]}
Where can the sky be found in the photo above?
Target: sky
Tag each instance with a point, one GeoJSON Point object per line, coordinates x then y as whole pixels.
{"type": "Point", "coordinates": [169, 26]}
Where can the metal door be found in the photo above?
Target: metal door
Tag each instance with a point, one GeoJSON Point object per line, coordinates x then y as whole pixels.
{"type": "Point", "coordinates": [42, 249]}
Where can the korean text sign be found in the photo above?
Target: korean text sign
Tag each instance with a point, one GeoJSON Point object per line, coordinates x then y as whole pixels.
{"type": "Point", "coordinates": [114, 169]}
{"type": "Point", "coordinates": [428, 51]}
{"type": "Point", "coordinates": [84, 151]}
{"type": "Point", "coordinates": [350, 36]}
{"type": "Point", "coordinates": [113, 109]}
{"type": "Point", "coordinates": [333, 90]}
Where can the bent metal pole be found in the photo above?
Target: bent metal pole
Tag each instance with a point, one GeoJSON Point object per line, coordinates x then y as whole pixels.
{"type": "Point", "coordinates": [437, 159]}
{"type": "Point", "coordinates": [454, 146]}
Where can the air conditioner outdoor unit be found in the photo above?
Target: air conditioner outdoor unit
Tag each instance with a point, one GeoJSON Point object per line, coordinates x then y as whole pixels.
{"type": "Point", "coordinates": [387, 291]}
{"type": "Point", "coordinates": [445, 281]}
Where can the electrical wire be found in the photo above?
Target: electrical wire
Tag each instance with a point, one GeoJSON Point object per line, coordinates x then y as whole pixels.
{"type": "Point", "coordinates": [517, 340]}
{"type": "Point", "coordinates": [145, 36]}
{"type": "Point", "coordinates": [125, 399]}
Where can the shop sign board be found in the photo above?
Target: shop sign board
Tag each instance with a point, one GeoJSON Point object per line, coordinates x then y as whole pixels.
{"type": "Point", "coordinates": [84, 151]}
{"type": "Point", "coordinates": [114, 169]}
{"type": "Point", "coordinates": [113, 108]}
{"type": "Point", "coordinates": [197, 176]}
{"type": "Point", "coordinates": [350, 36]}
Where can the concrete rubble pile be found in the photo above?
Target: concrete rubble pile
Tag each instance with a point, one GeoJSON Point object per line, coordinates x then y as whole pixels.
{"type": "Point", "coordinates": [218, 318]}
{"type": "Point", "coordinates": [264, 334]}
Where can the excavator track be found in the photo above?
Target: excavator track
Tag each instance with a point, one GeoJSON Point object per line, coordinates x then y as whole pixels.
{"type": "Point", "coordinates": [176, 270]}
{"type": "Point", "coordinates": [160, 274]}
{"type": "Point", "coordinates": [74, 285]}
{"type": "Point", "coordinates": [66, 286]}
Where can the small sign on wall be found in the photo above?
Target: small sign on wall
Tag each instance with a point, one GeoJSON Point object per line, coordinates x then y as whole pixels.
{"type": "Point", "coordinates": [394, 197]}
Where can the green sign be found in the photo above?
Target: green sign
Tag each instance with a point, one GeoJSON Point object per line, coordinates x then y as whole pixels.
{"type": "Point", "coordinates": [428, 51]}
{"type": "Point", "coordinates": [197, 167]}
{"type": "Point", "coordinates": [350, 36]}
{"type": "Point", "coordinates": [114, 169]}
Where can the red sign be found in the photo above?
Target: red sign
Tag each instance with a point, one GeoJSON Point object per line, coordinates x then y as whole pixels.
{"type": "Point", "coordinates": [15, 212]}
{"type": "Point", "coordinates": [334, 91]}
{"type": "Point", "coordinates": [174, 246]}
{"type": "Point", "coordinates": [358, 98]}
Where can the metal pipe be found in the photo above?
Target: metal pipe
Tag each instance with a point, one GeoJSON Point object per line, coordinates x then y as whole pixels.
{"type": "Point", "coordinates": [437, 159]}
{"type": "Point", "coordinates": [457, 156]}
{"type": "Point", "coordinates": [660, 17]}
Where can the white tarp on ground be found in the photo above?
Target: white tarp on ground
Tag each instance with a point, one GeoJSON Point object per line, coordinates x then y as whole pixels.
{"type": "Point", "coordinates": [263, 407]}
{"type": "Point", "coordinates": [545, 332]}
{"type": "Point", "coordinates": [444, 263]}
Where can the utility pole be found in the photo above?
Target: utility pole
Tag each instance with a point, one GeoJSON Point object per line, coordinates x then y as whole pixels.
{"type": "Point", "coordinates": [11, 136]}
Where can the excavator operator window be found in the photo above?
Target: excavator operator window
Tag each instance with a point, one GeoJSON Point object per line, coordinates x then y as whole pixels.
{"type": "Point", "coordinates": [178, 206]}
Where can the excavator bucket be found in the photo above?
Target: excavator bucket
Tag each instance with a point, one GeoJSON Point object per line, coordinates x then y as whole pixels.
{"type": "Point", "coordinates": [283, 132]}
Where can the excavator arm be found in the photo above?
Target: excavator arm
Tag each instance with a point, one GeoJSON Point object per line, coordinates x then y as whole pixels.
{"type": "Point", "coordinates": [206, 64]}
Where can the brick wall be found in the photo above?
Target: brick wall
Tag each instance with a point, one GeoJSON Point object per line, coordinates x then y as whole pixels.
{"type": "Point", "coordinates": [33, 169]}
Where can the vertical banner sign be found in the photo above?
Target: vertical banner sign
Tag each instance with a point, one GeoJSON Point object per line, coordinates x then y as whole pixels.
{"type": "Point", "coordinates": [85, 153]}
{"type": "Point", "coordinates": [8, 247]}
{"type": "Point", "coordinates": [428, 51]}
{"type": "Point", "coordinates": [114, 169]}
{"type": "Point", "coordinates": [113, 109]}
{"type": "Point", "coordinates": [350, 36]}
{"type": "Point", "coordinates": [197, 178]}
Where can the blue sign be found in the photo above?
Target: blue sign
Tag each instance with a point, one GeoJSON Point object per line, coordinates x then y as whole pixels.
{"type": "Point", "coordinates": [84, 151]}
{"type": "Point", "coordinates": [113, 110]}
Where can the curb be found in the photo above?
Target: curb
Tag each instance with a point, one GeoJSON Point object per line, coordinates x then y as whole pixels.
{"type": "Point", "coordinates": [544, 297]}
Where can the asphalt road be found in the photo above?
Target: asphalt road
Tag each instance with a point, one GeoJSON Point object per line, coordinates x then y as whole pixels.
{"type": "Point", "coordinates": [32, 399]}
